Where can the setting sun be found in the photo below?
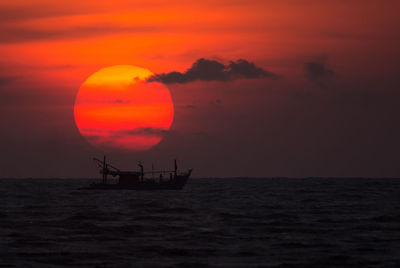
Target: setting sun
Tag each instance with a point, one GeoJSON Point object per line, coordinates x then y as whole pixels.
{"type": "Point", "coordinates": [117, 109]}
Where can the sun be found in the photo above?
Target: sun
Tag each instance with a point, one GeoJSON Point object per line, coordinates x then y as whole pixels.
{"type": "Point", "coordinates": [117, 109]}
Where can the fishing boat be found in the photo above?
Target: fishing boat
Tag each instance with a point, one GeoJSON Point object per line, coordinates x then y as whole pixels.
{"type": "Point", "coordinates": [137, 180]}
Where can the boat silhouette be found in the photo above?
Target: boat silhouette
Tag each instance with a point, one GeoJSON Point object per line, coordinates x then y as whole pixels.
{"type": "Point", "coordinates": [136, 180]}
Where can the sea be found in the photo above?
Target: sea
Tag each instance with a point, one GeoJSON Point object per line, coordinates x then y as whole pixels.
{"type": "Point", "coordinates": [212, 222]}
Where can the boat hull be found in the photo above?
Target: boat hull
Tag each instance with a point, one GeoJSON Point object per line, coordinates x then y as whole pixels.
{"type": "Point", "coordinates": [177, 183]}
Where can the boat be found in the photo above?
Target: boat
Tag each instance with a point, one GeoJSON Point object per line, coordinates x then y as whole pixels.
{"type": "Point", "coordinates": [137, 180]}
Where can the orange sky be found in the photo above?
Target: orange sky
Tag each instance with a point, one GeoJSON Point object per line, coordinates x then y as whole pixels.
{"type": "Point", "coordinates": [161, 37]}
{"type": "Point", "coordinates": [48, 49]}
{"type": "Point", "coordinates": [52, 43]}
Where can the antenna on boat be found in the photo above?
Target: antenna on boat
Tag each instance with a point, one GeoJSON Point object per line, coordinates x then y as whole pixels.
{"type": "Point", "coordinates": [104, 170]}
{"type": "Point", "coordinates": [141, 169]}
{"type": "Point", "coordinates": [176, 167]}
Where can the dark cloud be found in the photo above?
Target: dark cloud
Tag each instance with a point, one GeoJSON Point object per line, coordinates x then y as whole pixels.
{"type": "Point", "coordinates": [119, 101]}
{"type": "Point", "coordinates": [317, 72]}
{"type": "Point", "coordinates": [216, 102]}
{"type": "Point", "coordinates": [147, 131]}
{"type": "Point", "coordinates": [56, 67]}
{"type": "Point", "coordinates": [29, 11]}
{"type": "Point", "coordinates": [190, 106]}
{"type": "Point", "coordinates": [187, 106]}
{"type": "Point", "coordinates": [141, 131]}
{"type": "Point", "coordinates": [107, 138]}
{"type": "Point", "coordinates": [7, 67]}
{"type": "Point", "coordinates": [5, 80]}
{"type": "Point", "coordinates": [212, 70]}
{"type": "Point", "coordinates": [12, 34]}
{"type": "Point", "coordinates": [201, 134]}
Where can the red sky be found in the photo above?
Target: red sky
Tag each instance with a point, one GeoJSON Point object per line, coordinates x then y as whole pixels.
{"type": "Point", "coordinates": [341, 121]}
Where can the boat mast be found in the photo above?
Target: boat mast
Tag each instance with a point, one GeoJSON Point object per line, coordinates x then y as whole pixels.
{"type": "Point", "coordinates": [176, 167]}
{"type": "Point", "coordinates": [141, 170]}
{"type": "Point", "coordinates": [104, 170]}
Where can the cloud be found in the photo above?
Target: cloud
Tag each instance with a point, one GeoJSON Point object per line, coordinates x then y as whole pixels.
{"type": "Point", "coordinates": [5, 80]}
{"type": "Point", "coordinates": [140, 131]}
{"type": "Point", "coordinates": [201, 134]}
{"type": "Point", "coordinates": [119, 101]}
{"type": "Point", "coordinates": [29, 11]}
{"type": "Point", "coordinates": [13, 34]}
{"type": "Point", "coordinates": [147, 131]}
{"type": "Point", "coordinates": [216, 102]}
{"type": "Point", "coordinates": [190, 106]}
{"type": "Point", "coordinates": [317, 72]}
{"type": "Point", "coordinates": [212, 70]}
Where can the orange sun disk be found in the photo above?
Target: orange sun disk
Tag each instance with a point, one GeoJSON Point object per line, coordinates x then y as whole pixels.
{"type": "Point", "coordinates": [117, 109]}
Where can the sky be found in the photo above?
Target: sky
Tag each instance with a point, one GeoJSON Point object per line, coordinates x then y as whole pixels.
{"type": "Point", "coordinates": [318, 94]}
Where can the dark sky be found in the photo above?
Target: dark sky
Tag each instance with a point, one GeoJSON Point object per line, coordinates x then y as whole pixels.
{"type": "Point", "coordinates": [260, 88]}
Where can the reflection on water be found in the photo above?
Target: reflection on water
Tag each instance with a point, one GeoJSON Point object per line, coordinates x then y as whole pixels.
{"type": "Point", "coordinates": [214, 222]}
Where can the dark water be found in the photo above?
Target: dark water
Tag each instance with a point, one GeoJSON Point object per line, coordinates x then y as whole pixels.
{"type": "Point", "coordinates": [212, 222]}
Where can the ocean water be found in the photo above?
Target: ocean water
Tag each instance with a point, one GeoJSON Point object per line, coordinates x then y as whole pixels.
{"type": "Point", "coordinates": [243, 222]}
